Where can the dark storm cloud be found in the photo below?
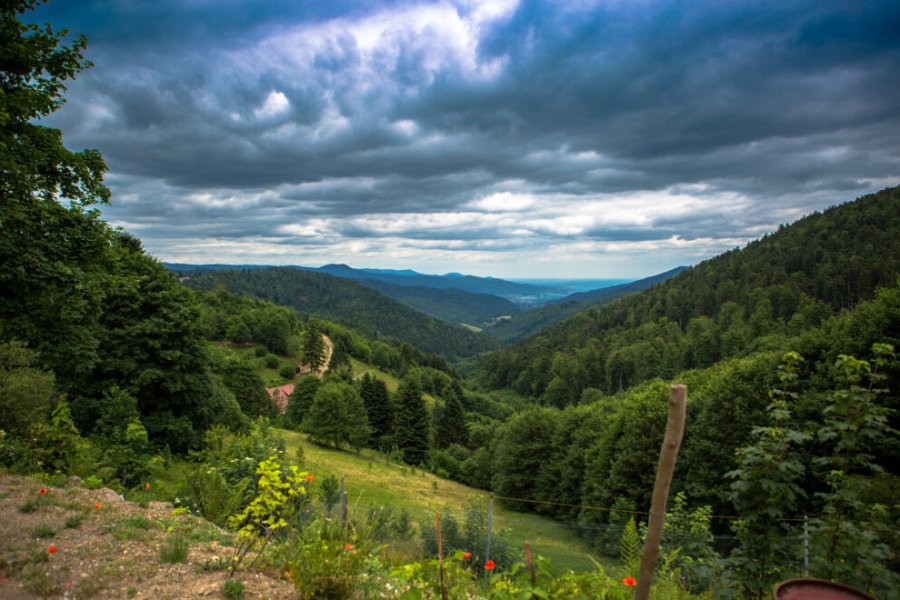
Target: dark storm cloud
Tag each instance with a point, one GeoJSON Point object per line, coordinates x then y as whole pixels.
{"type": "Point", "coordinates": [235, 119]}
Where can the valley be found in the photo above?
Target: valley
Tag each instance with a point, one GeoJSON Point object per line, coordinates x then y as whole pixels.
{"type": "Point", "coordinates": [236, 423]}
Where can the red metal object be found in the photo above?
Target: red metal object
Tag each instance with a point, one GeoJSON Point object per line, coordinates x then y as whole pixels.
{"type": "Point", "coordinates": [818, 589]}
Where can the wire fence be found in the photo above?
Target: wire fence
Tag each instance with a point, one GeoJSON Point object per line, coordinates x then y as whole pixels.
{"type": "Point", "coordinates": [559, 537]}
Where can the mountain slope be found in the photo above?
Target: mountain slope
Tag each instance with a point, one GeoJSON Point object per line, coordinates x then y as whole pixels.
{"type": "Point", "coordinates": [451, 305]}
{"type": "Point", "coordinates": [522, 293]}
{"type": "Point", "coordinates": [739, 302]}
{"type": "Point", "coordinates": [345, 302]}
{"type": "Point", "coordinates": [531, 322]}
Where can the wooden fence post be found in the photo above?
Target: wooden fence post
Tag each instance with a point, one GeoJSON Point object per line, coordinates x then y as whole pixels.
{"type": "Point", "coordinates": [664, 472]}
{"type": "Point", "coordinates": [440, 541]}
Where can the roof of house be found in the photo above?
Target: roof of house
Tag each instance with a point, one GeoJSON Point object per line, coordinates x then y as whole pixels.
{"type": "Point", "coordinates": [280, 395]}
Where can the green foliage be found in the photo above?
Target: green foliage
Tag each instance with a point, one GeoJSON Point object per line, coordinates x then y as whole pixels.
{"type": "Point", "coordinates": [337, 416]}
{"type": "Point", "coordinates": [740, 302]}
{"type": "Point", "coordinates": [25, 392]}
{"type": "Point", "coordinates": [523, 445]}
{"type": "Point", "coordinates": [275, 505]}
{"type": "Point", "coordinates": [349, 303]}
{"type": "Point", "coordinates": [379, 411]}
{"type": "Point", "coordinates": [412, 422]}
{"type": "Point", "coordinates": [687, 544]}
{"type": "Point", "coordinates": [56, 446]}
{"type": "Point", "coordinates": [52, 244]}
{"type": "Point", "coordinates": [630, 547]}
{"type": "Point", "coordinates": [313, 353]}
{"type": "Point", "coordinates": [233, 589]}
{"type": "Point", "coordinates": [450, 423]}
{"type": "Point", "coordinates": [301, 400]}
{"type": "Point", "coordinates": [331, 492]}
{"type": "Point", "coordinates": [470, 536]}
{"type": "Point", "coordinates": [243, 380]}
{"type": "Point", "coordinates": [224, 481]}
{"type": "Point", "coordinates": [74, 521]}
{"type": "Point", "coordinates": [174, 549]}
{"type": "Point", "coordinates": [287, 372]}
{"type": "Point", "coordinates": [226, 316]}
{"type": "Point", "coordinates": [92, 482]}
{"type": "Point", "coordinates": [766, 491]}
{"type": "Point", "coordinates": [850, 536]}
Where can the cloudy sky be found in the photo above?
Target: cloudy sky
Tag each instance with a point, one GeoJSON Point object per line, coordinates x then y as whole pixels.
{"type": "Point", "coordinates": [611, 138]}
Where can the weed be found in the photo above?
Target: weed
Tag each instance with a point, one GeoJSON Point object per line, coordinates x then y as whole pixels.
{"type": "Point", "coordinates": [44, 532]}
{"type": "Point", "coordinates": [38, 581]}
{"type": "Point", "coordinates": [214, 564]}
{"type": "Point", "coordinates": [37, 555]}
{"type": "Point", "coordinates": [132, 591]}
{"type": "Point", "coordinates": [174, 549]}
{"type": "Point", "coordinates": [29, 506]}
{"type": "Point", "coordinates": [92, 482]}
{"type": "Point", "coordinates": [233, 590]}
{"type": "Point", "coordinates": [131, 528]}
{"type": "Point", "coordinates": [74, 521]}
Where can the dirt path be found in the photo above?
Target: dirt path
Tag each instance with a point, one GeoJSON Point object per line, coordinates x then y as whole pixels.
{"type": "Point", "coordinates": [109, 548]}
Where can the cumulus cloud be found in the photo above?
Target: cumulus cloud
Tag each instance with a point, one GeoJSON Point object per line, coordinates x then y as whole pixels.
{"type": "Point", "coordinates": [497, 134]}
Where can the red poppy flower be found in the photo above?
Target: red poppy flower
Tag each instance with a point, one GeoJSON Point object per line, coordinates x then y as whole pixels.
{"type": "Point", "coordinates": [629, 581]}
{"type": "Point", "coordinates": [467, 555]}
{"type": "Point", "coordinates": [489, 565]}
{"type": "Point", "coordinates": [310, 477]}
{"type": "Point", "coordinates": [52, 549]}
{"type": "Point", "coordinates": [348, 546]}
{"type": "Point", "coordinates": [42, 491]}
{"type": "Point", "coordinates": [147, 486]}
{"type": "Point", "coordinates": [97, 505]}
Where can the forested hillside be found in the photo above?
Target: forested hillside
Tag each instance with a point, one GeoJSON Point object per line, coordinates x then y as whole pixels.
{"type": "Point", "coordinates": [346, 302]}
{"type": "Point", "coordinates": [511, 290]}
{"type": "Point", "coordinates": [742, 301]}
{"type": "Point", "coordinates": [531, 322]}
{"type": "Point", "coordinates": [449, 304]}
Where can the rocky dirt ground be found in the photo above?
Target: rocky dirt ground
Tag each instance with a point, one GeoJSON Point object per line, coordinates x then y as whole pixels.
{"type": "Point", "coordinates": [109, 548]}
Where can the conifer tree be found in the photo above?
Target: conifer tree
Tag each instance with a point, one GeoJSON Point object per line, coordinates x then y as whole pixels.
{"type": "Point", "coordinates": [379, 408]}
{"type": "Point", "coordinates": [412, 422]}
{"type": "Point", "coordinates": [313, 355]}
{"type": "Point", "coordinates": [451, 427]}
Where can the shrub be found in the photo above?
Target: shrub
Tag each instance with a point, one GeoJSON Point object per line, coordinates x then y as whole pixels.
{"type": "Point", "coordinates": [271, 361]}
{"type": "Point", "coordinates": [92, 482]}
{"type": "Point", "coordinates": [287, 372]}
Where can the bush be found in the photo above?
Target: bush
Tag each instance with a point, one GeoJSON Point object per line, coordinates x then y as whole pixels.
{"type": "Point", "coordinates": [287, 372]}
{"type": "Point", "coordinates": [272, 361]}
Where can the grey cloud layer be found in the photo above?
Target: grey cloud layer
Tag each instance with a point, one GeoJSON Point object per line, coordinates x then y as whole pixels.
{"type": "Point", "coordinates": [334, 111]}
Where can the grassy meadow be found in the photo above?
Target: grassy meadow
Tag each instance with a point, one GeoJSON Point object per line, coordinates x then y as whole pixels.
{"type": "Point", "coordinates": [371, 481]}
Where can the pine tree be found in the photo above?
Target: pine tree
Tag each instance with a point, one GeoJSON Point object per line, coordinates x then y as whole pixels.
{"type": "Point", "coordinates": [412, 422]}
{"type": "Point", "coordinates": [379, 408]}
{"type": "Point", "coordinates": [313, 355]}
{"type": "Point", "coordinates": [451, 427]}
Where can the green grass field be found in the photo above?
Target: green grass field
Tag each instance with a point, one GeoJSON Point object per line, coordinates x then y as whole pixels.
{"type": "Point", "coordinates": [371, 482]}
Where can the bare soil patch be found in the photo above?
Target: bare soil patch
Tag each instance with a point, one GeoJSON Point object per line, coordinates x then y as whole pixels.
{"type": "Point", "coordinates": [113, 551]}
